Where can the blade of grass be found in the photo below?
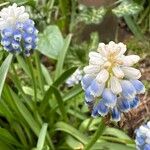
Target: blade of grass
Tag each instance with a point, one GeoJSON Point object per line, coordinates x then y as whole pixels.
{"type": "Point", "coordinates": [8, 138]}
{"type": "Point", "coordinates": [28, 117]}
{"type": "Point", "coordinates": [39, 72]}
{"type": "Point", "coordinates": [5, 111]}
{"type": "Point", "coordinates": [18, 129]}
{"type": "Point", "coordinates": [23, 65]}
{"type": "Point", "coordinates": [61, 57]}
{"type": "Point", "coordinates": [33, 78]}
{"type": "Point", "coordinates": [97, 134]}
{"type": "Point", "coordinates": [25, 113]}
{"type": "Point", "coordinates": [59, 81]}
{"type": "Point", "coordinates": [46, 75]}
{"type": "Point", "coordinates": [42, 136]}
{"type": "Point", "coordinates": [3, 71]}
{"type": "Point", "coordinates": [133, 27]}
{"type": "Point", "coordinates": [17, 83]}
{"type": "Point", "coordinates": [111, 146]}
{"type": "Point", "coordinates": [60, 103]}
{"type": "Point", "coordinates": [64, 76]}
{"type": "Point", "coordinates": [62, 126]}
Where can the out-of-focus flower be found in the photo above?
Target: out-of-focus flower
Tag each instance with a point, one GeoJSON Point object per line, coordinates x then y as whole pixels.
{"type": "Point", "coordinates": [17, 30]}
{"type": "Point", "coordinates": [110, 82]}
{"type": "Point", "coordinates": [143, 137]}
{"type": "Point", "coordinates": [75, 78]}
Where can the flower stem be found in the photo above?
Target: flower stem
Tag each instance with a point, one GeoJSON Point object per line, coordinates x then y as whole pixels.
{"type": "Point", "coordinates": [96, 136]}
{"type": "Point", "coordinates": [39, 70]}
{"type": "Point", "coordinates": [33, 77]}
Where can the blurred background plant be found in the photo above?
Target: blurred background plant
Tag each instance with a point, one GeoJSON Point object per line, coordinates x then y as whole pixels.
{"type": "Point", "coordinates": [37, 110]}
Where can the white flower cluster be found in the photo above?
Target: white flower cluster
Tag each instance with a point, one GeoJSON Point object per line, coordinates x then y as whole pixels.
{"type": "Point", "coordinates": [75, 78]}
{"type": "Point", "coordinates": [110, 75]}
{"type": "Point", "coordinates": [12, 14]}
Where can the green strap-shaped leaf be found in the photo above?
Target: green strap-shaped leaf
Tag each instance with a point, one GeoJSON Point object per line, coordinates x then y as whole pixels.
{"type": "Point", "coordinates": [111, 146]}
{"type": "Point", "coordinates": [64, 76]}
{"type": "Point", "coordinates": [62, 126]}
{"type": "Point", "coordinates": [59, 81]}
{"type": "Point", "coordinates": [26, 114]}
{"type": "Point", "coordinates": [42, 136]}
{"type": "Point", "coordinates": [61, 57]}
{"type": "Point", "coordinates": [60, 103]}
{"type": "Point", "coordinates": [8, 138]}
{"type": "Point", "coordinates": [46, 75]}
{"type": "Point", "coordinates": [3, 71]}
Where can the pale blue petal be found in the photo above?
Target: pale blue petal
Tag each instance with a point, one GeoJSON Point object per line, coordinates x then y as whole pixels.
{"type": "Point", "coordinates": [134, 103]}
{"type": "Point", "coordinates": [102, 108]}
{"type": "Point", "coordinates": [86, 81]}
{"type": "Point", "coordinates": [109, 98]}
{"type": "Point", "coordinates": [123, 104]}
{"type": "Point", "coordinates": [116, 114]}
{"type": "Point", "coordinates": [147, 147]}
{"type": "Point", "coordinates": [128, 90]}
{"type": "Point", "coordinates": [138, 85]}
{"type": "Point", "coordinates": [8, 32]}
{"type": "Point", "coordinates": [88, 96]}
{"type": "Point", "coordinates": [140, 140]}
{"type": "Point", "coordinates": [95, 112]}
{"type": "Point", "coordinates": [96, 88]}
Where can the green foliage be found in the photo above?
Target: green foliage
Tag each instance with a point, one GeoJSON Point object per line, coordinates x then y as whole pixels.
{"type": "Point", "coordinates": [127, 8]}
{"type": "Point", "coordinates": [3, 71]}
{"type": "Point", "coordinates": [91, 15]}
{"type": "Point", "coordinates": [50, 42]}
{"type": "Point", "coordinates": [37, 110]}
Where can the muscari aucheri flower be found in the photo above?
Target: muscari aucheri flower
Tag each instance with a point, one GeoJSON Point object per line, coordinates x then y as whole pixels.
{"type": "Point", "coordinates": [18, 33]}
{"type": "Point", "coordinates": [142, 138]}
{"type": "Point", "coordinates": [111, 85]}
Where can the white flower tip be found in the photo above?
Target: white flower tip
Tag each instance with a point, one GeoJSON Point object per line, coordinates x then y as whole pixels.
{"type": "Point", "coordinates": [142, 91]}
{"type": "Point", "coordinates": [12, 14]}
{"type": "Point", "coordinates": [143, 129]}
{"type": "Point", "coordinates": [115, 85]}
{"type": "Point", "coordinates": [102, 76]}
{"type": "Point", "coordinates": [148, 124]}
{"type": "Point", "coordinates": [130, 60]}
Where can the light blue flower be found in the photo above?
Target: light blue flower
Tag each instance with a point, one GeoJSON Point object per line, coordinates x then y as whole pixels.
{"type": "Point", "coordinates": [138, 85]}
{"type": "Point", "coordinates": [142, 138]}
{"type": "Point", "coordinates": [123, 104]}
{"type": "Point", "coordinates": [128, 90]}
{"type": "Point", "coordinates": [95, 112]}
{"type": "Point", "coordinates": [19, 35]}
{"type": "Point", "coordinates": [147, 147]}
{"type": "Point", "coordinates": [86, 81]}
{"type": "Point", "coordinates": [134, 103]}
{"type": "Point", "coordinates": [110, 82]}
{"type": "Point", "coordinates": [7, 32]}
{"type": "Point", "coordinates": [109, 98]}
{"type": "Point", "coordinates": [116, 114]}
{"type": "Point", "coordinates": [102, 108]}
{"type": "Point", "coordinates": [96, 89]}
{"type": "Point", "coordinates": [88, 96]}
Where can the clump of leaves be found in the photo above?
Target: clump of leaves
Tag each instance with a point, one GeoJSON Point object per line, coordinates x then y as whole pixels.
{"type": "Point", "coordinates": [91, 15]}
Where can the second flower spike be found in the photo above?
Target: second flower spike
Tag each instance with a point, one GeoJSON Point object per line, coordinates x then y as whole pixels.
{"type": "Point", "coordinates": [17, 30]}
{"type": "Point", "coordinates": [111, 70]}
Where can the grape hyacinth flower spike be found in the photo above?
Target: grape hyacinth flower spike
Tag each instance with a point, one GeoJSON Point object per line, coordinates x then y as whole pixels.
{"type": "Point", "coordinates": [110, 82]}
{"type": "Point", "coordinates": [18, 33]}
{"type": "Point", "coordinates": [142, 138]}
